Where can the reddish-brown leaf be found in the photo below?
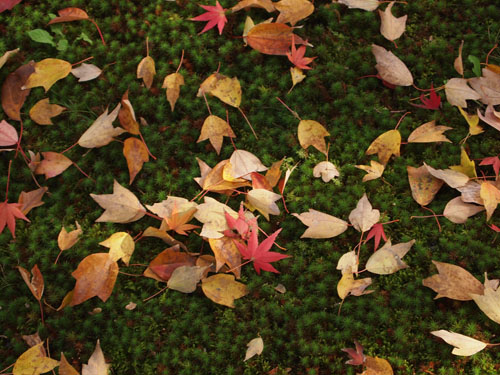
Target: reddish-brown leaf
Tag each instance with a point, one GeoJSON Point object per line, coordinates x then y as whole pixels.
{"type": "Point", "coordinates": [12, 96]}
{"type": "Point", "coordinates": [36, 283]}
{"type": "Point", "coordinates": [166, 262]}
{"type": "Point", "coordinates": [31, 199]}
{"type": "Point", "coordinates": [136, 153]}
{"type": "Point", "coordinates": [272, 38]}
{"type": "Point", "coordinates": [53, 164]}
{"type": "Point", "coordinates": [70, 14]}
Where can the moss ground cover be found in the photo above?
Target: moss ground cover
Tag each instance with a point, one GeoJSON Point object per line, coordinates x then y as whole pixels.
{"type": "Point", "coordinates": [176, 333]}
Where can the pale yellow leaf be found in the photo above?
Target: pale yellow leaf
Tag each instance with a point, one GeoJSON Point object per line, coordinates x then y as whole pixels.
{"type": "Point", "coordinates": [255, 347]}
{"type": "Point", "coordinates": [363, 217]}
{"type": "Point", "coordinates": [326, 170]}
{"type": "Point", "coordinates": [348, 262]}
{"type": "Point", "coordinates": [34, 361]}
{"type": "Point", "coordinates": [429, 132]}
{"type": "Point", "coordinates": [490, 195]}
{"type": "Point", "coordinates": [223, 289]}
{"type": "Point", "coordinates": [173, 83]}
{"type": "Point", "coordinates": [66, 240]}
{"type": "Point", "coordinates": [185, 278]}
{"type": "Point", "coordinates": [391, 27]}
{"type": "Point", "coordinates": [321, 225]}
{"type": "Point", "coordinates": [368, 5]}
{"type": "Point", "coordinates": [244, 163]}
{"type": "Point", "coordinates": [214, 128]}
{"type": "Point", "coordinates": [297, 76]}
{"type": "Point", "coordinates": [385, 145]}
{"type": "Point", "coordinates": [97, 364]}
{"type": "Point", "coordinates": [458, 92]}
{"type": "Point", "coordinates": [47, 72]}
{"type": "Point", "coordinates": [263, 200]}
{"type": "Point", "coordinates": [467, 166]}
{"type": "Point", "coordinates": [473, 121]}
{"type": "Point", "coordinates": [86, 72]}
{"type": "Point", "coordinates": [292, 11]}
{"type": "Point", "coordinates": [146, 70]}
{"type": "Point", "coordinates": [374, 170]}
{"type": "Point", "coordinates": [101, 132]}
{"type": "Point", "coordinates": [463, 345]}
{"type": "Point", "coordinates": [390, 68]}
{"type": "Point", "coordinates": [121, 246]}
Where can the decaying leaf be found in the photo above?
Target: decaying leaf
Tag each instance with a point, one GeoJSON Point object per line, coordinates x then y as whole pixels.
{"type": "Point", "coordinates": [458, 63]}
{"type": "Point", "coordinates": [65, 368]}
{"type": "Point", "coordinates": [326, 170]}
{"type": "Point", "coordinates": [429, 132]}
{"type": "Point", "coordinates": [214, 128]}
{"type": "Point", "coordinates": [136, 153]}
{"type": "Point", "coordinates": [95, 276]}
{"type": "Point", "coordinates": [364, 216]}
{"type": "Point", "coordinates": [452, 178]}
{"type": "Point", "coordinates": [173, 83]}
{"type": "Point", "coordinates": [13, 96]}
{"type": "Point", "coordinates": [297, 76]}
{"type": "Point", "coordinates": [348, 285]}
{"type": "Point", "coordinates": [391, 27]}
{"type": "Point", "coordinates": [162, 266]}
{"type": "Point", "coordinates": [69, 15]}
{"type": "Point", "coordinates": [255, 347]}
{"type": "Point", "coordinates": [368, 5]}
{"type": "Point", "coordinates": [457, 211]}
{"type": "Point", "coordinates": [223, 289]}
{"type": "Point", "coordinates": [387, 259]}
{"type": "Point", "coordinates": [390, 68]}
{"type": "Point", "coordinates": [42, 112]}
{"type": "Point", "coordinates": [424, 186]}
{"type": "Point", "coordinates": [463, 345]}
{"type": "Point", "coordinates": [36, 284]}
{"type": "Point", "coordinates": [458, 92]}
{"type": "Point", "coordinates": [120, 207]}
{"type": "Point", "coordinates": [263, 200]}
{"type": "Point", "coordinates": [292, 11]}
{"type": "Point", "coordinates": [225, 88]}
{"type": "Point", "coordinates": [31, 199]}
{"type": "Point", "coordinates": [473, 121]}
{"type": "Point", "coordinates": [127, 116]}
{"type": "Point", "coordinates": [312, 133]}
{"type": "Point", "coordinates": [86, 72]}
{"type": "Point", "coordinates": [487, 86]}
{"type": "Point", "coordinates": [97, 363]}
{"type": "Point", "coordinates": [226, 252]}
{"type": "Point", "coordinates": [185, 278]}
{"type": "Point", "coordinates": [321, 225]}
{"type": "Point", "coordinates": [34, 361]}
{"type": "Point", "coordinates": [453, 282]}
{"type": "Point", "coordinates": [212, 214]}
{"type": "Point", "coordinates": [66, 240]}
{"type": "Point", "coordinates": [121, 246]}
{"type": "Point", "coordinates": [348, 262]}
{"type": "Point", "coordinates": [53, 164]}
{"type": "Point", "coordinates": [146, 70]}
{"type": "Point", "coordinates": [385, 145]}
{"type": "Point", "coordinates": [272, 38]}
{"type": "Point", "coordinates": [7, 55]}
{"type": "Point", "coordinates": [489, 302]}
{"type": "Point", "coordinates": [47, 72]}
{"type": "Point", "coordinates": [490, 195]}
{"type": "Point", "coordinates": [491, 117]}
{"type": "Point", "coordinates": [101, 132]}
{"type": "Point", "coordinates": [375, 170]}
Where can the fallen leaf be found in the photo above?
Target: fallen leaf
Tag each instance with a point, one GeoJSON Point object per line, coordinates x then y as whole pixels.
{"type": "Point", "coordinates": [47, 72]}
{"type": "Point", "coordinates": [162, 234]}
{"type": "Point", "coordinates": [225, 88]}
{"type": "Point", "coordinates": [494, 161]}
{"type": "Point", "coordinates": [185, 278]}
{"type": "Point", "coordinates": [280, 288]}
{"type": "Point", "coordinates": [473, 121]}
{"type": "Point", "coordinates": [292, 11]}
{"type": "Point", "coordinates": [146, 70]}
{"type": "Point", "coordinates": [255, 347]}
{"type": "Point", "coordinates": [213, 215]}
{"type": "Point", "coordinates": [86, 72]}
{"type": "Point", "coordinates": [470, 192]}
{"type": "Point", "coordinates": [321, 225]}
{"type": "Point", "coordinates": [101, 132]}
{"type": "Point", "coordinates": [326, 170]}
{"type": "Point", "coordinates": [385, 145]}
{"type": "Point", "coordinates": [70, 14]}
{"type": "Point", "coordinates": [120, 207]}
{"type": "Point", "coordinates": [13, 96]}
{"type": "Point", "coordinates": [490, 195]}
{"type": "Point", "coordinates": [296, 56]}
{"type": "Point", "coordinates": [226, 252]}
{"type": "Point", "coordinates": [297, 76]}
{"type": "Point", "coordinates": [387, 260]}
{"type": "Point", "coordinates": [136, 153]}
{"type": "Point", "coordinates": [467, 166]}
{"type": "Point", "coordinates": [452, 178]}
{"type": "Point", "coordinates": [457, 211]}
{"type": "Point", "coordinates": [491, 117]}
{"type": "Point", "coordinates": [377, 233]}
{"type": "Point", "coordinates": [272, 38]}
{"type": "Point", "coordinates": [391, 27]}
{"type": "Point", "coordinates": [97, 363]}
{"type": "Point", "coordinates": [368, 5]}
{"type": "Point", "coordinates": [7, 55]}
{"type": "Point", "coordinates": [53, 164]}
{"type": "Point", "coordinates": [348, 285]}
{"type": "Point", "coordinates": [311, 133]}
{"type": "Point", "coordinates": [424, 186]}
{"type": "Point", "coordinates": [36, 284]}
{"type": "Point", "coordinates": [244, 163]}
{"type": "Point", "coordinates": [8, 134]}
{"type": "Point", "coordinates": [173, 83]}
{"type": "Point", "coordinates": [357, 356]}
{"type": "Point", "coordinates": [32, 340]}
{"type": "Point", "coordinates": [65, 368]}
{"type": "Point", "coordinates": [375, 170]}
{"type": "Point", "coordinates": [489, 302]}
{"type": "Point", "coordinates": [131, 306]}
{"type": "Point", "coordinates": [67, 240]}
{"type": "Point", "coordinates": [223, 289]}
{"type": "Point", "coordinates": [453, 282]}
{"type": "Point", "coordinates": [363, 217]}
{"type": "Point", "coordinates": [162, 266]}
{"type": "Point", "coordinates": [433, 102]}
{"type": "Point", "coordinates": [429, 132]}
{"type": "Point", "coordinates": [204, 171]}
{"type": "Point", "coordinates": [487, 86]}
{"type": "Point", "coordinates": [121, 246]}
{"type": "Point", "coordinates": [31, 199]}
{"type": "Point", "coordinates": [127, 116]}
{"type": "Point", "coordinates": [263, 200]}
{"type": "Point", "coordinates": [169, 206]}
{"type": "Point", "coordinates": [348, 262]}
{"type": "Point", "coordinates": [42, 112]}
{"type": "Point", "coordinates": [214, 128]}
{"type": "Point", "coordinates": [377, 366]}
{"type": "Point", "coordinates": [8, 4]}
{"type": "Point", "coordinates": [458, 92]}
{"type": "Point", "coordinates": [221, 178]}
{"type": "Point", "coordinates": [464, 345]}
{"type": "Point", "coordinates": [390, 68]}
{"type": "Point", "coordinates": [215, 15]}
{"type": "Point", "coordinates": [9, 212]}
{"type": "Point", "coordinates": [95, 276]}
{"type": "Point", "coordinates": [458, 63]}
{"type": "Point", "coordinates": [34, 361]}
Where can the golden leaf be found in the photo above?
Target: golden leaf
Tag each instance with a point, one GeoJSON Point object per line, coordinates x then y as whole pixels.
{"type": "Point", "coordinates": [42, 112]}
{"type": "Point", "coordinates": [47, 72]}
{"type": "Point", "coordinates": [121, 246]}
{"type": "Point", "coordinates": [173, 83]}
{"type": "Point", "coordinates": [424, 186]}
{"type": "Point", "coordinates": [214, 128]}
{"type": "Point", "coordinates": [385, 145]}
{"type": "Point", "coordinates": [429, 132]}
{"type": "Point", "coordinates": [223, 289]}
{"type": "Point", "coordinates": [311, 133]}
{"type": "Point", "coordinates": [146, 70]}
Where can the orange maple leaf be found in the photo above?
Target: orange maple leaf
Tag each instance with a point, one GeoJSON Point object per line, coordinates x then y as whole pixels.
{"type": "Point", "coordinates": [8, 214]}
{"type": "Point", "coordinates": [297, 56]}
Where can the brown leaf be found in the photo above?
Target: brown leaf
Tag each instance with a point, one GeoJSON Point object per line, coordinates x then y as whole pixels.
{"type": "Point", "coordinates": [53, 164]}
{"type": "Point", "coordinates": [292, 11]}
{"type": "Point", "coordinates": [312, 133]}
{"type": "Point", "coordinates": [36, 285]}
{"type": "Point", "coordinates": [491, 117]}
{"type": "Point", "coordinates": [67, 240]}
{"type": "Point", "coordinates": [70, 14]}
{"type": "Point", "coordinates": [424, 186]}
{"type": "Point", "coordinates": [163, 235]}
{"type": "Point", "coordinates": [487, 86]}
{"type": "Point", "coordinates": [43, 111]}
{"type": "Point", "coordinates": [101, 132]}
{"type": "Point", "coordinates": [457, 211]}
{"type": "Point", "coordinates": [264, 4]}
{"type": "Point", "coordinates": [173, 83]}
{"type": "Point", "coordinates": [363, 217]}
{"type": "Point", "coordinates": [6, 56]}
{"type": "Point", "coordinates": [377, 366]}
{"type": "Point", "coordinates": [391, 27]}
{"type": "Point", "coordinates": [95, 276]}
{"type": "Point", "coordinates": [32, 340]}
{"type": "Point", "coordinates": [146, 70]}
{"type": "Point", "coordinates": [385, 145]}
{"type": "Point", "coordinates": [47, 72]}
{"type": "Point", "coordinates": [65, 368]}
{"type": "Point", "coordinates": [97, 363]}
{"type": "Point", "coordinates": [453, 282]}
{"type": "Point", "coordinates": [127, 116]}
{"type": "Point", "coordinates": [13, 96]}
{"type": "Point", "coordinates": [223, 289]}
{"type": "Point", "coordinates": [214, 128]}
{"type": "Point", "coordinates": [272, 38]}
{"type": "Point", "coordinates": [31, 199]}
{"type": "Point", "coordinates": [226, 252]}
{"type": "Point", "coordinates": [273, 174]}
{"type": "Point", "coordinates": [374, 170]}
{"type": "Point", "coordinates": [458, 64]}
{"type": "Point", "coordinates": [429, 132]}
{"type": "Point", "coordinates": [390, 68]}
{"type": "Point", "coordinates": [162, 266]}
{"type": "Point", "coordinates": [136, 153]}
{"type": "Point", "coordinates": [120, 207]}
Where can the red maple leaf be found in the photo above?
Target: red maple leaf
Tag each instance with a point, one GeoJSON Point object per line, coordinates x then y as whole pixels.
{"type": "Point", "coordinates": [297, 56]}
{"type": "Point", "coordinates": [215, 15]}
{"type": "Point", "coordinates": [8, 214]}
{"type": "Point", "coordinates": [376, 232]}
{"type": "Point", "coordinates": [495, 228]}
{"type": "Point", "coordinates": [241, 225]}
{"type": "Point", "coordinates": [8, 4]}
{"type": "Point", "coordinates": [493, 161]}
{"type": "Point", "coordinates": [357, 356]}
{"type": "Point", "coordinates": [433, 102]}
{"type": "Point", "coordinates": [259, 253]}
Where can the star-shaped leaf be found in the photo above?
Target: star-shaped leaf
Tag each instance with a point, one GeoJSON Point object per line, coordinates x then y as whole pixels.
{"type": "Point", "coordinates": [494, 161]}
{"type": "Point", "coordinates": [432, 102]}
{"type": "Point", "coordinates": [296, 56]}
{"type": "Point", "coordinates": [9, 212]}
{"type": "Point", "coordinates": [215, 15]}
{"type": "Point", "coordinates": [377, 232]}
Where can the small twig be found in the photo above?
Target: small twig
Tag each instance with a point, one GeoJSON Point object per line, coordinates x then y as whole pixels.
{"type": "Point", "coordinates": [152, 215]}
{"type": "Point", "coordinates": [241, 265]}
{"type": "Point", "coordinates": [41, 311]}
{"type": "Point", "coordinates": [69, 148]}
{"type": "Point", "coordinates": [295, 114]}
{"type": "Point", "coordinates": [208, 107]}
{"type": "Point", "coordinates": [82, 61]}
{"type": "Point", "coordinates": [130, 274]}
{"type": "Point", "coordinates": [85, 174]}
{"type": "Point", "coordinates": [248, 122]}
{"type": "Point", "coordinates": [58, 255]}
{"type": "Point", "coordinates": [489, 53]}
{"type": "Point", "coordinates": [8, 367]}
{"type": "Point", "coordinates": [154, 295]}
{"type": "Point", "coordinates": [99, 30]}
{"type": "Point", "coordinates": [401, 119]}
{"type": "Point", "coordinates": [8, 180]}
{"type": "Point", "coordinates": [147, 46]}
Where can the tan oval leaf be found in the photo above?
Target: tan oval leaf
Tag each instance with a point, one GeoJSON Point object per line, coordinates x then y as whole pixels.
{"type": "Point", "coordinates": [321, 225]}
{"type": "Point", "coordinates": [457, 211]}
{"type": "Point", "coordinates": [390, 68]}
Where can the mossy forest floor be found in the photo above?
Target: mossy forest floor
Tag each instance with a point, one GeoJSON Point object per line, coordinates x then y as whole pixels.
{"type": "Point", "coordinates": [176, 333]}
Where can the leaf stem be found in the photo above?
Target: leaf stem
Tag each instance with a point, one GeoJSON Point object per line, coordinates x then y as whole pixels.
{"type": "Point", "coordinates": [147, 148]}
{"type": "Point", "coordinates": [208, 107]}
{"type": "Point", "coordinates": [154, 295]}
{"type": "Point", "coordinates": [8, 180]}
{"type": "Point", "coordinates": [401, 119]}
{"type": "Point", "coordinates": [99, 30]}
{"type": "Point", "coordinates": [58, 255]}
{"type": "Point", "coordinates": [82, 61]}
{"type": "Point", "coordinates": [41, 310]}
{"type": "Point", "coordinates": [295, 114]}
{"type": "Point", "coordinates": [180, 63]}
{"type": "Point", "coordinates": [248, 122]}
